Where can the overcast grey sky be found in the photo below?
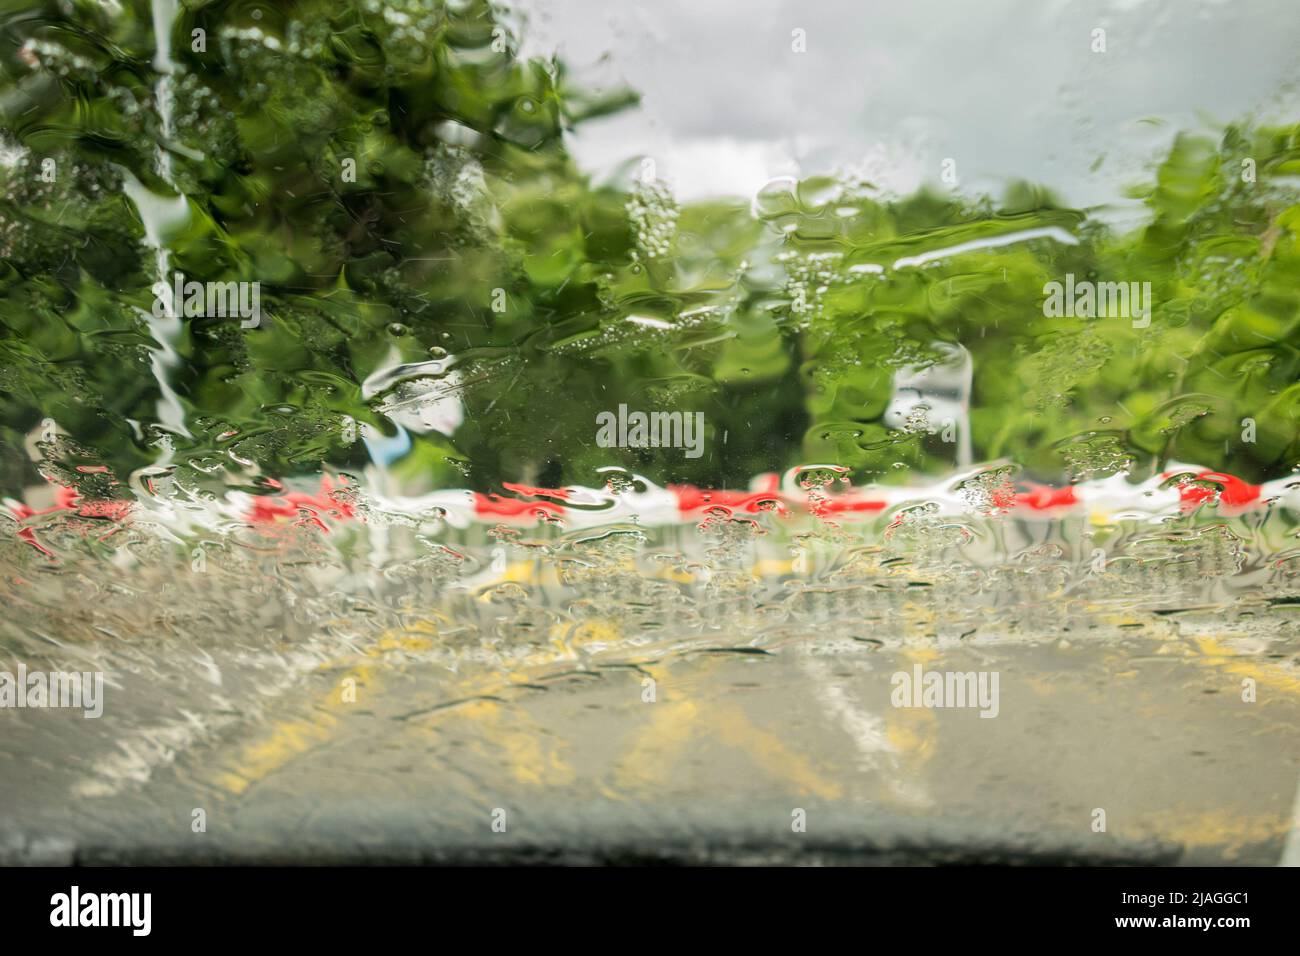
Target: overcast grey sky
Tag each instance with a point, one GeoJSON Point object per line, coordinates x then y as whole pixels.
{"type": "Point", "coordinates": [1007, 88]}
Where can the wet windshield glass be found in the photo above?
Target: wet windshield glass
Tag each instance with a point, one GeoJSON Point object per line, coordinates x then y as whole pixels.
{"type": "Point", "coordinates": [605, 425]}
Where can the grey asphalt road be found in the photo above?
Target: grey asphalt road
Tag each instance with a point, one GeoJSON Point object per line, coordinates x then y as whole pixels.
{"type": "Point", "coordinates": [1118, 738]}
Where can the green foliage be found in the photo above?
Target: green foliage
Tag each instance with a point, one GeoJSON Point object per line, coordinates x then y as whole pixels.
{"type": "Point", "coordinates": [466, 231]}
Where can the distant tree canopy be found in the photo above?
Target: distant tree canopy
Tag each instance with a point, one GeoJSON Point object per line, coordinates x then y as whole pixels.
{"type": "Point", "coordinates": [395, 178]}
